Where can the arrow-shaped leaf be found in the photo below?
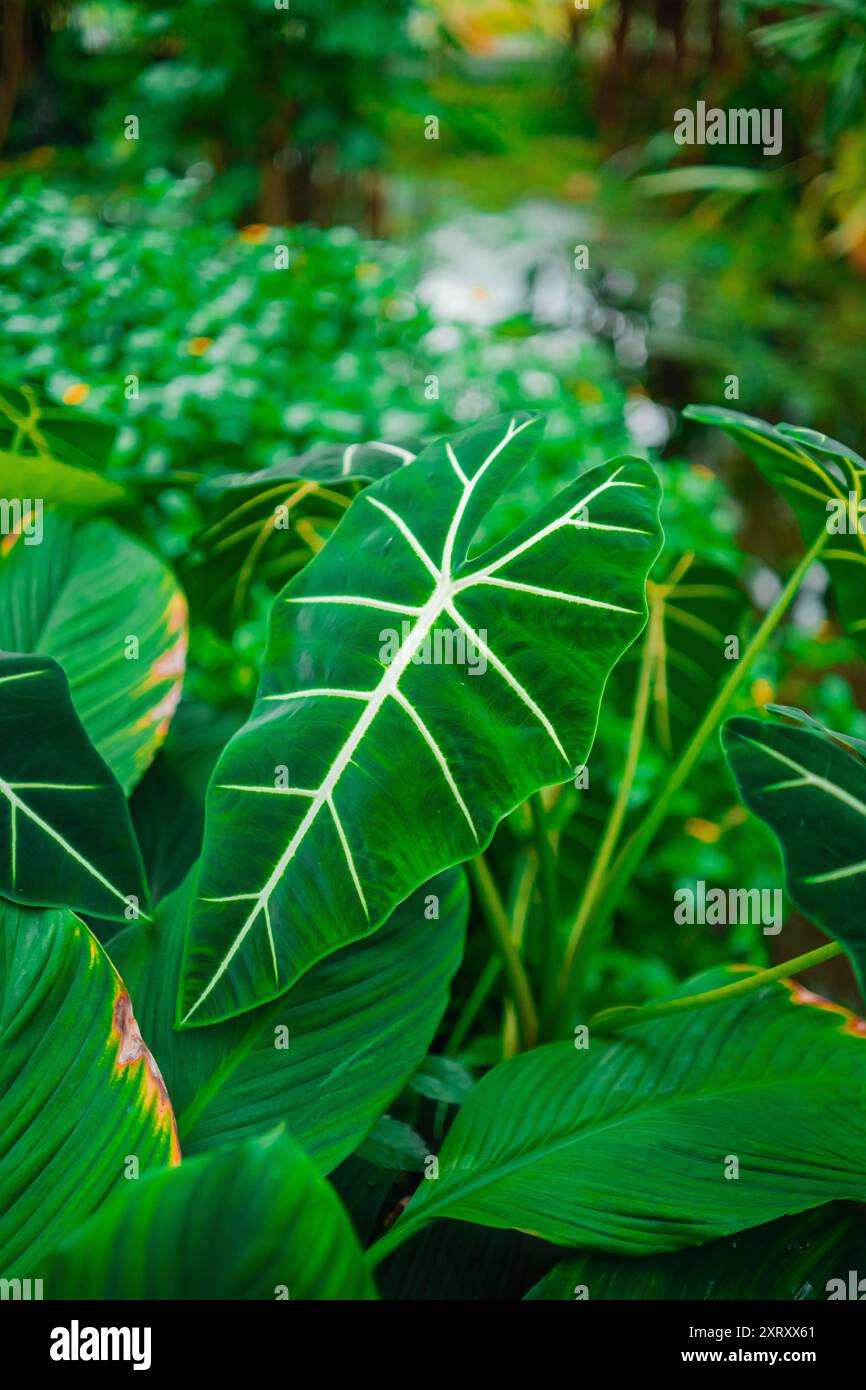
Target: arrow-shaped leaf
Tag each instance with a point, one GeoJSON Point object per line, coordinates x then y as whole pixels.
{"type": "Point", "coordinates": [66, 839]}
{"type": "Point", "coordinates": [824, 482]}
{"type": "Point", "coordinates": [811, 791]}
{"type": "Point", "coordinates": [412, 695]}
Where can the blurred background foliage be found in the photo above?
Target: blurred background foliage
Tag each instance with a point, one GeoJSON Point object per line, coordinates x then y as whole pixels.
{"type": "Point", "coordinates": [238, 228]}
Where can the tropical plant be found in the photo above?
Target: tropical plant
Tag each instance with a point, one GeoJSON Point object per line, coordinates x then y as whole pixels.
{"type": "Point", "coordinates": [238, 1030]}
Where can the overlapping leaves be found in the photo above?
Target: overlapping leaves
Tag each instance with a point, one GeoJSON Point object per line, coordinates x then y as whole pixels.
{"type": "Point", "coordinates": [253, 1221]}
{"type": "Point", "coordinates": [114, 617]}
{"type": "Point", "coordinates": [626, 1146]}
{"type": "Point", "coordinates": [326, 1058]}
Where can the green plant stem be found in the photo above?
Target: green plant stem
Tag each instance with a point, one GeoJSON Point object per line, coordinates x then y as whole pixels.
{"type": "Point", "coordinates": [389, 1242]}
{"type": "Point", "coordinates": [628, 859]}
{"type": "Point", "coordinates": [549, 905]}
{"type": "Point", "coordinates": [610, 837]}
{"type": "Point", "coordinates": [483, 985]}
{"type": "Point", "coordinates": [612, 1020]}
{"type": "Point", "coordinates": [497, 920]}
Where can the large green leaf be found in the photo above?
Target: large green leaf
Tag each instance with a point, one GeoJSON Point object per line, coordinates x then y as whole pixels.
{"type": "Point", "coordinates": [80, 1094]}
{"type": "Point", "coordinates": [793, 1258]}
{"type": "Point", "coordinates": [627, 1145]}
{"type": "Point", "coordinates": [815, 474]}
{"type": "Point", "coordinates": [113, 616]}
{"type": "Point", "coordinates": [328, 1057]}
{"type": "Point", "coordinates": [399, 764]}
{"type": "Point", "coordinates": [66, 839]}
{"type": "Point", "coordinates": [53, 453]}
{"type": "Point", "coordinates": [811, 791]}
{"type": "Point", "coordinates": [252, 1222]}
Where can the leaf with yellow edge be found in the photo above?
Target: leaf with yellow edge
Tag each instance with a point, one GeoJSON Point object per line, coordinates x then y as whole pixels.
{"type": "Point", "coordinates": [83, 1107]}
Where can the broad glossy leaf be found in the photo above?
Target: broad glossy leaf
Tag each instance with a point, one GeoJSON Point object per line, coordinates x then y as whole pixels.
{"type": "Point", "coordinates": [793, 1258]}
{"type": "Point", "coordinates": [113, 616]}
{"type": "Point", "coordinates": [52, 452]}
{"type": "Point", "coordinates": [66, 839]}
{"type": "Point", "coordinates": [812, 794]}
{"type": "Point", "coordinates": [810, 471]}
{"type": "Point", "coordinates": [416, 694]}
{"type": "Point", "coordinates": [624, 1146]}
{"type": "Point", "coordinates": [251, 1222]}
{"type": "Point", "coordinates": [328, 1057]}
{"type": "Point", "coordinates": [80, 1093]}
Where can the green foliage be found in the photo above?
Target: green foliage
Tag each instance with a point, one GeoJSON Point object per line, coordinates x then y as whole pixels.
{"type": "Point", "coordinates": [352, 1046]}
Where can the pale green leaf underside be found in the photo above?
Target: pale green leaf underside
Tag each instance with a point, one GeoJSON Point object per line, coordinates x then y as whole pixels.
{"type": "Point", "coordinates": [401, 758]}
{"type": "Point", "coordinates": [66, 839]}
{"type": "Point", "coordinates": [53, 453]}
{"type": "Point", "coordinates": [812, 794]}
{"type": "Point", "coordinates": [364, 461]}
{"type": "Point", "coordinates": [251, 1222]}
{"type": "Point", "coordinates": [825, 483]}
{"type": "Point", "coordinates": [626, 1146]}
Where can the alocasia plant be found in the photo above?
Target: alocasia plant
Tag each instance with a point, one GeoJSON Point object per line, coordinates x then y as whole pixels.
{"type": "Point", "coordinates": [395, 768]}
{"type": "Point", "coordinates": [524, 689]}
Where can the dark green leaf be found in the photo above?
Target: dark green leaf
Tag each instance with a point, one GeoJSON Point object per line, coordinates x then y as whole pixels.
{"type": "Point", "coordinates": [66, 839]}
{"type": "Point", "coordinates": [796, 1257]}
{"type": "Point", "coordinates": [371, 747]}
{"type": "Point", "coordinates": [812, 794]}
